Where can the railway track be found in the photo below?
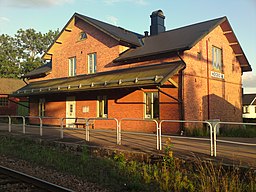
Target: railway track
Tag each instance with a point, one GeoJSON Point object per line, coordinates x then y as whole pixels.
{"type": "Point", "coordinates": [14, 181]}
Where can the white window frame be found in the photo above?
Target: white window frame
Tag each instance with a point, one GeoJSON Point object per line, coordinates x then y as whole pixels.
{"type": "Point", "coordinates": [217, 61]}
{"type": "Point", "coordinates": [92, 62]}
{"type": "Point", "coordinates": [102, 107]}
{"type": "Point", "coordinates": [41, 107]}
{"type": "Point", "coordinates": [72, 66]}
{"type": "Point", "coordinates": [152, 109]}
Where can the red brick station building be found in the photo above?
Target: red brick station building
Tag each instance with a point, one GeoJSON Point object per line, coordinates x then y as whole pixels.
{"type": "Point", "coordinates": [96, 69]}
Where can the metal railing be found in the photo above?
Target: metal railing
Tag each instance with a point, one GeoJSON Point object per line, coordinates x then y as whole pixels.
{"type": "Point", "coordinates": [120, 129]}
{"type": "Point", "coordinates": [226, 141]}
{"type": "Point", "coordinates": [143, 120]}
{"type": "Point", "coordinates": [181, 121]}
{"type": "Point", "coordinates": [87, 127]}
{"type": "Point", "coordinates": [71, 126]}
{"type": "Point", "coordinates": [40, 123]}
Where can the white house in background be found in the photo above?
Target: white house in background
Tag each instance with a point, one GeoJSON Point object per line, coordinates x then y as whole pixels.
{"type": "Point", "coordinates": [249, 106]}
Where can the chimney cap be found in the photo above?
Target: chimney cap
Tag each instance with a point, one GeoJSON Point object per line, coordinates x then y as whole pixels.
{"type": "Point", "coordinates": [157, 13]}
{"type": "Point", "coordinates": [146, 33]}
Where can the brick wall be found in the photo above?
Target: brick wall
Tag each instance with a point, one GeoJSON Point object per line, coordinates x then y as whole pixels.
{"type": "Point", "coordinates": [200, 89]}
{"type": "Point", "coordinates": [224, 95]}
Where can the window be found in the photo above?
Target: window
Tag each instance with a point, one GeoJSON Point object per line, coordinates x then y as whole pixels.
{"type": "Point", "coordinates": [72, 66]}
{"type": "Point", "coordinates": [92, 63]}
{"type": "Point", "coordinates": [246, 109]}
{"type": "Point", "coordinates": [4, 102]}
{"type": "Point", "coordinates": [217, 59]}
{"type": "Point", "coordinates": [151, 105]}
{"type": "Point", "coordinates": [41, 108]}
{"type": "Point", "coordinates": [83, 35]}
{"type": "Point", "coordinates": [102, 107]}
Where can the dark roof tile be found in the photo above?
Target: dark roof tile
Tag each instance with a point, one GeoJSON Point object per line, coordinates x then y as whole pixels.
{"type": "Point", "coordinates": [118, 33]}
{"type": "Point", "coordinates": [248, 99]}
{"type": "Point", "coordinates": [39, 72]}
{"type": "Point", "coordinates": [180, 39]}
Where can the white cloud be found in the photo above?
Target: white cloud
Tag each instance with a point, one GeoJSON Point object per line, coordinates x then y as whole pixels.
{"type": "Point", "coordinates": [249, 80]}
{"type": "Point", "coordinates": [138, 2]}
{"type": "Point", "coordinates": [35, 3]}
{"type": "Point", "coordinates": [4, 19]}
{"type": "Point", "coordinates": [112, 19]}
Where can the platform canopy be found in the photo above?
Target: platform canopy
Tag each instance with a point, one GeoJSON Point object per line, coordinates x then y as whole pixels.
{"type": "Point", "coordinates": [152, 75]}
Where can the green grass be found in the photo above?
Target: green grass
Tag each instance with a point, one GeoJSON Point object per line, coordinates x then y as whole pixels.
{"type": "Point", "coordinates": [245, 131]}
{"type": "Point", "coordinates": [118, 174]}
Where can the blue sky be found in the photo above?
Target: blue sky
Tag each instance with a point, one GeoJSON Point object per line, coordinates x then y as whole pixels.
{"type": "Point", "coordinates": [45, 15]}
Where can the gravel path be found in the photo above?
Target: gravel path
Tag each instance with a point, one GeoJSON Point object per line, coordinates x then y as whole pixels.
{"type": "Point", "coordinates": [50, 175]}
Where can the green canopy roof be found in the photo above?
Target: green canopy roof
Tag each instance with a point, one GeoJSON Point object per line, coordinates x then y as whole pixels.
{"type": "Point", "coordinates": [132, 77]}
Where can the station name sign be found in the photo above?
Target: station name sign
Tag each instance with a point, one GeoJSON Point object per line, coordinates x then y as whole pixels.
{"type": "Point", "coordinates": [217, 75]}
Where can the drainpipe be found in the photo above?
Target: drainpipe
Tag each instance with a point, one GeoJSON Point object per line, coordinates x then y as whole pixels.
{"type": "Point", "coordinates": [208, 81]}
{"type": "Point", "coordinates": [25, 81]}
{"type": "Point", "coordinates": [181, 94]}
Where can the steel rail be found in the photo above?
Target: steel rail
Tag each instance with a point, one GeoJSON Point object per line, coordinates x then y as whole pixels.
{"type": "Point", "coordinates": [33, 180]}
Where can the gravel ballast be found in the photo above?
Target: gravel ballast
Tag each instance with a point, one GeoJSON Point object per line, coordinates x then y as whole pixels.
{"type": "Point", "coordinates": [50, 175]}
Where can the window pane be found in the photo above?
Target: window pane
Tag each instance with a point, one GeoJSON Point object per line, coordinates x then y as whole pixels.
{"type": "Point", "coordinates": [72, 66]}
{"type": "Point", "coordinates": [3, 102]}
{"type": "Point", "coordinates": [155, 105]}
{"type": "Point", "coordinates": [102, 106]}
{"type": "Point", "coordinates": [217, 58]}
{"type": "Point", "coordinates": [100, 109]}
{"type": "Point", "coordinates": [41, 107]}
{"type": "Point", "coordinates": [92, 63]}
{"type": "Point", "coordinates": [105, 107]}
{"type": "Point", "coordinates": [83, 35]}
{"type": "Point", "coordinates": [148, 105]}
{"type": "Point", "coordinates": [151, 105]}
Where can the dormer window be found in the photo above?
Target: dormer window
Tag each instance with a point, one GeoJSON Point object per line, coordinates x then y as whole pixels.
{"type": "Point", "coordinates": [83, 35]}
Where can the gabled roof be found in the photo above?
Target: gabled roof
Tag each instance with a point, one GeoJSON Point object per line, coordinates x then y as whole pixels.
{"type": "Point", "coordinates": [180, 39]}
{"type": "Point", "coordinates": [118, 33]}
{"type": "Point", "coordinates": [41, 71]}
{"type": "Point", "coordinates": [249, 99]}
{"type": "Point", "coordinates": [8, 85]}
{"type": "Point", "coordinates": [185, 38]}
{"type": "Point", "coordinates": [126, 37]}
{"type": "Point", "coordinates": [153, 75]}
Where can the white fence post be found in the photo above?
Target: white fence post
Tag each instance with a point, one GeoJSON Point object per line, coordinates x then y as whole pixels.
{"type": "Point", "coordinates": [183, 121]}
{"type": "Point", "coordinates": [10, 124]}
{"type": "Point", "coordinates": [23, 125]}
{"type": "Point", "coordinates": [144, 120]}
{"type": "Point", "coordinates": [87, 136]}
{"type": "Point", "coordinates": [61, 129]}
{"type": "Point", "coordinates": [228, 123]}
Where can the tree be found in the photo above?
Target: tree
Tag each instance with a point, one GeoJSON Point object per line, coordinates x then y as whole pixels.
{"type": "Point", "coordinates": [32, 45]}
{"type": "Point", "coordinates": [8, 57]}
{"type": "Point", "coordinates": [22, 53]}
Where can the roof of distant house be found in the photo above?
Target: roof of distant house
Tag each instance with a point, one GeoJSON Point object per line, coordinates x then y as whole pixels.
{"type": "Point", "coordinates": [41, 71]}
{"type": "Point", "coordinates": [8, 85]}
{"type": "Point", "coordinates": [249, 99]}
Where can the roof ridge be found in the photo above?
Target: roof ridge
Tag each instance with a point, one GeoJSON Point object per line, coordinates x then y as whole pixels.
{"type": "Point", "coordinates": [122, 28]}
{"type": "Point", "coordinates": [201, 22]}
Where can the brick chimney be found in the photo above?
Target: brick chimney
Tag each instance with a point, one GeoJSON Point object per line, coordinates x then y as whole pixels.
{"type": "Point", "coordinates": [157, 22]}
